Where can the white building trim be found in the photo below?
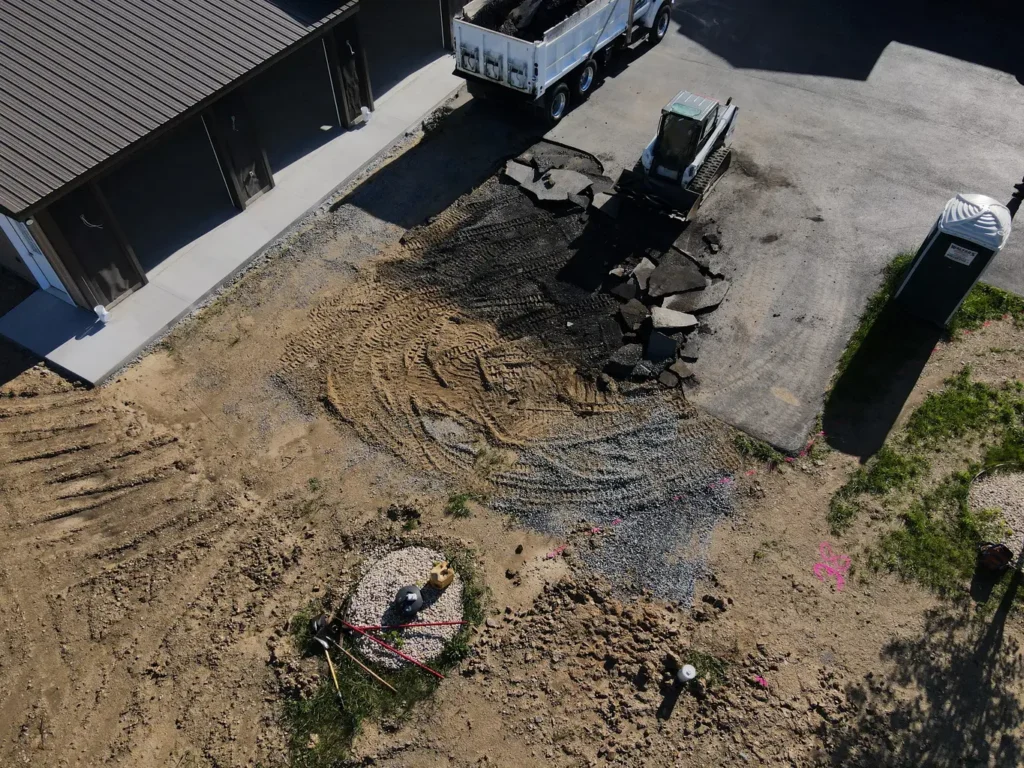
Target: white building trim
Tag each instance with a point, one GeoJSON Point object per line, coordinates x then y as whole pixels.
{"type": "Point", "coordinates": [23, 241]}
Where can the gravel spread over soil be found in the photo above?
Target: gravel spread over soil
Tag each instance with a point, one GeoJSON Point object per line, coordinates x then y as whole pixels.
{"type": "Point", "coordinates": [372, 605]}
{"type": "Point", "coordinates": [1004, 492]}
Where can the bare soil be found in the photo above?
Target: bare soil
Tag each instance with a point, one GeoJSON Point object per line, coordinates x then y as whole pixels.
{"type": "Point", "coordinates": [161, 532]}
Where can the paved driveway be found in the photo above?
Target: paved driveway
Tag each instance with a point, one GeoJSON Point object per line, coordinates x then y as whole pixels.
{"type": "Point", "coordinates": [855, 128]}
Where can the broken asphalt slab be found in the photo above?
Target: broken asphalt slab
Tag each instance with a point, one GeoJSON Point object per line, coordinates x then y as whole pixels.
{"type": "Point", "coordinates": [553, 185]}
{"type": "Point", "coordinates": [671, 319]}
{"type": "Point", "coordinates": [633, 314]}
{"type": "Point", "coordinates": [697, 301]}
{"type": "Point", "coordinates": [643, 271]}
{"type": "Point", "coordinates": [675, 277]}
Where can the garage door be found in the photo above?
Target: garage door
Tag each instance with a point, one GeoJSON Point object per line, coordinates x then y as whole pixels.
{"type": "Point", "coordinates": [169, 194]}
{"type": "Point", "coordinates": [293, 105]}
{"type": "Point", "coordinates": [400, 36]}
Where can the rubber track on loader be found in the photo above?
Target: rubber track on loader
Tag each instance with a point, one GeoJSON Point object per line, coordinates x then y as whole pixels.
{"type": "Point", "coordinates": [709, 172]}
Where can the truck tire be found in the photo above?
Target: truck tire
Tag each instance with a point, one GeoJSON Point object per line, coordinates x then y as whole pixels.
{"type": "Point", "coordinates": [583, 80]}
{"type": "Point", "coordinates": [556, 104]}
{"type": "Point", "coordinates": [660, 27]}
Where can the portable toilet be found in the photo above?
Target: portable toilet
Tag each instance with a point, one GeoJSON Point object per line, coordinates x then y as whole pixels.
{"type": "Point", "coordinates": [966, 237]}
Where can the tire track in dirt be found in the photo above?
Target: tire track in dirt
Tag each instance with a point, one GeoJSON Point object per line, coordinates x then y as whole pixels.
{"type": "Point", "coordinates": [120, 554]}
{"type": "Point", "coordinates": [471, 353]}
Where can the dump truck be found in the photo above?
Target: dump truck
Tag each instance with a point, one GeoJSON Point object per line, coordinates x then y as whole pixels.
{"type": "Point", "coordinates": [562, 67]}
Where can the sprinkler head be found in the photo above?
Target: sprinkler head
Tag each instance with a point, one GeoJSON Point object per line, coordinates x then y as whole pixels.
{"type": "Point", "coordinates": [687, 673]}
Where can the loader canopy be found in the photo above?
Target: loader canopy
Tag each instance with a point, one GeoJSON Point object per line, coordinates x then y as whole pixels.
{"type": "Point", "coordinates": [679, 133]}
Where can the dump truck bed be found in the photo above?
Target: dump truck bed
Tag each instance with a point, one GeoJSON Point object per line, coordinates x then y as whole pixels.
{"type": "Point", "coordinates": [532, 67]}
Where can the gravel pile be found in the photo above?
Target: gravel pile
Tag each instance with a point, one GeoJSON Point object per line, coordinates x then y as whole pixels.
{"type": "Point", "coordinates": [371, 605]}
{"type": "Point", "coordinates": [653, 483]}
{"type": "Point", "coordinates": [1004, 492]}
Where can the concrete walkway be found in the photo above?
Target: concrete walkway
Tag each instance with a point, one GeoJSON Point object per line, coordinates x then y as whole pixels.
{"type": "Point", "coordinates": [73, 340]}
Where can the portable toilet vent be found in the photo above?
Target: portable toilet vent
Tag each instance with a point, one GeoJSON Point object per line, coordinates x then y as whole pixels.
{"type": "Point", "coordinates": [965, 238]}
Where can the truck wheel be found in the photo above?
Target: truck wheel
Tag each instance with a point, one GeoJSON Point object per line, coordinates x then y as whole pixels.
{"type": "Point", "coordinates": [557, 103]}
{"type": "Point", "coordinates": [583, 83]}
{"type": "Point", "coordinates": [660, 28]}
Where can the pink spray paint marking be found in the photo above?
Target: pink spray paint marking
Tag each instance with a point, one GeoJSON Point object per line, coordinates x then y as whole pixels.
{"type": "Point", "coordinates": [617, 521]}
{"type": "Point", "coordinates": [595, 529]}
{"type": "Point", "coordinates": [761, 681]}
{"type": "Point", "coordinates": [751, 472]}
{"type": "Point", "coordinates": [831, 564]}
{"type": "Point", "coordinates": [556, 552]}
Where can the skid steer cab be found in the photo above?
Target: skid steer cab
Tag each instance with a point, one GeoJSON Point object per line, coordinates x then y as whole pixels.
{"type": "Point", "coordinates": [689, 153]}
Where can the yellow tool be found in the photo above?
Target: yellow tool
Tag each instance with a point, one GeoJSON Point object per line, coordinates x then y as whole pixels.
{"type": "Point", "coordinates": [441, 575]}
{"type": "Point", "coordinates": [334, 675]}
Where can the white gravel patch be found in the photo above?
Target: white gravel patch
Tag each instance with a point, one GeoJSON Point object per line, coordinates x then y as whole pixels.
{"type": "Point", "coordinates": [1004, 492]}
{"type": "Point", "coordinates": [372, 605]}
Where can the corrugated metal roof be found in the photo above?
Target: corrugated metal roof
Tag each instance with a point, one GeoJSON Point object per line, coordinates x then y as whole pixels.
{"type": "Point", "coordinates": [82, 80]}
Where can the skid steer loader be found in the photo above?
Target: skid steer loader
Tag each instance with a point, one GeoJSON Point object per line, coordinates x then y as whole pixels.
{"type": "Point", "coordinates": [688, 155]}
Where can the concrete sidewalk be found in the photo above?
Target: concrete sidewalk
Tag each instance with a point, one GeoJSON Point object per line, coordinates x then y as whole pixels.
{"type": "Point", "coordinates": [73, 340]}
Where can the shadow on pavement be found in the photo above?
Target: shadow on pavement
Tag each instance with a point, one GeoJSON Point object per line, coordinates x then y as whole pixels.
{"type": "Point", "coordinates": [14, 361]}
{"type": "Point", "coordinates": [464, 149]}
{"type": "Point", "coordinates": [965, 708]}
{"type": "Point", "coordinates": [845, 38]}
{"type": "Point", "coordinates": [868, 397]}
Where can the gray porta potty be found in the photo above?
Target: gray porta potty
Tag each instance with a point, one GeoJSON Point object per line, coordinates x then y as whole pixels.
{"type": "Point", "coordinates": [965, 238]}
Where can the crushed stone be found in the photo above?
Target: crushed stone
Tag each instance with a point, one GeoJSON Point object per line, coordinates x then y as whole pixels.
{"type": "Point", "coordinates": [1004, 492]}
{"type": "Point", "coordinates": [650, 483]}
{"type": "Point", "coordinates": [371, 604]}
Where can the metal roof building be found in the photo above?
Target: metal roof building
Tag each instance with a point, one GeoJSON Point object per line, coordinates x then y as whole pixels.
{"type": "Point", "coordinates": [84, 81]}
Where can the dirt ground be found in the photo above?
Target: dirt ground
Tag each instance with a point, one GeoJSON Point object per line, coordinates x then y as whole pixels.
{"type": "Point", "coordinates": [160, 532]}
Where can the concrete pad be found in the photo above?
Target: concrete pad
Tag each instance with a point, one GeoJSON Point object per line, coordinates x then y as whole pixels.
{"type": "Point", "coordinates": [71, 339]}
{"type": "Point", "coordinates": [74, 341]}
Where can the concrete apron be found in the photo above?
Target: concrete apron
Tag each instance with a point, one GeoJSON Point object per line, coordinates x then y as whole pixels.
{"type": "Point", "coordinates": [74, 341]}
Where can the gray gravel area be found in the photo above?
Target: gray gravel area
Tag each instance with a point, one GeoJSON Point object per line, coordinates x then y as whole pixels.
{"type": "Point", "coordinates": [371, 605]}
{"type": "Point", "coordinates": [1004, 492]}
{"type": "Point", "coordinates": [652, 482]}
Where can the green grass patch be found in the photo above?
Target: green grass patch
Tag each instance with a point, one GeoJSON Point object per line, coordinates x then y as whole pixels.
{"type": "Point", "coordinates": [937, 545]}
{"type": "Point", "coordinates": [985, 303]}
{"type": "Point", "coordinates": [963, 406]}
{"type": "Point", "coordinates": [758, 450]}
{"type": "Point", "coordinates": [891, 277]}
{"type": "Point", "coordinates": [711, 668]}
{"type": "Point", "coordinates": [1008, 454]}
{"type": "Point", "coordinates": [458, 503]}
{"type": "Point", "coordinates": [321, 727]}
{"type": "Point", "coordinates": [841, 514]}
{"type": "Point", "coordinates": [888, 471]}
